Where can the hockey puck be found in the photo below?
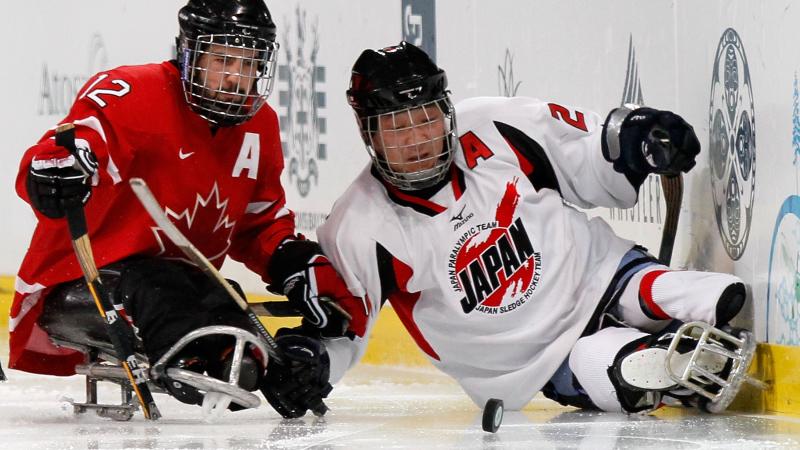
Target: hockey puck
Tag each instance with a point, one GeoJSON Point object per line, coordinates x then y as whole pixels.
{"type": "Point", "coordinates": [492, 415]}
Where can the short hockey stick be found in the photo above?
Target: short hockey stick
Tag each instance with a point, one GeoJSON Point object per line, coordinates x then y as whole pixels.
{"type": "Point", "coordinates": [117, 327]}
{"type": "Point", "coordinates": [148, 200]}
{"type": "Point", "coordinates": [672, 186]}
{"type": "Point", "coordinates": [658, 142]}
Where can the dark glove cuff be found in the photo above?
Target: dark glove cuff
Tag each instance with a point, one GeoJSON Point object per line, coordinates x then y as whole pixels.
{"type": "Point", "coordinates": [289, 258]}
{"type": "Point", "coordinates": [610, 138]}
{"type": "Point", "coordinates": [621, 143]}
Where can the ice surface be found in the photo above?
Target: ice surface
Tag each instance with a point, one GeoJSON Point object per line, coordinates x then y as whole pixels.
{"type": "Point", "coordinates": [374, 407]}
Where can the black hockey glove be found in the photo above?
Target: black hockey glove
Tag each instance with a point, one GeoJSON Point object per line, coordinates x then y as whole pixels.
{"type": "Point", "coordinates": [301, 382]}
{"type": "Point", "coordinates": [58, 180]}
{"type": "Point", "coordinates": [300, 271]}
{"type": "Point", "coordinates": [646, 140]}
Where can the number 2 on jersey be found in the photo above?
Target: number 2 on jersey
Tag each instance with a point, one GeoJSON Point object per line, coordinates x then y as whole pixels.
{"type": "Point", "coordinates": [561, 113]}
{"type": "Point", "coordinates": [95, 94]}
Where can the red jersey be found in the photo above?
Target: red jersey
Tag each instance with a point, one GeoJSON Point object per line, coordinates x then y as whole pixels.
{"type": "Point", "coordinates": [221, 189]}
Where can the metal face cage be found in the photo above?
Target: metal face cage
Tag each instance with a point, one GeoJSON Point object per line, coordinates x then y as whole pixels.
{"type": "Point", "coordinates": [412, 148]}
{"type": "Point", "coordinates": [227, 77]}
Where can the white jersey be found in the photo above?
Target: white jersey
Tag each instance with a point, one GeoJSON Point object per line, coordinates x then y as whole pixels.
{"type": "Point", "coordinates": [495, 276]}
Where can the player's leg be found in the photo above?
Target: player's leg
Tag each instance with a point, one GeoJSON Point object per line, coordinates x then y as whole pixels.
{"type": "Point", "coordinates": [590, 360]}
{"type": "Point", "coordinates": [563, 387]}
{"type": "Point", "coordinates": [626, 370]}
{"type": "Point", "coordinates": [657, 295]}
{"type": "Point", "coordinates": [166, 300]}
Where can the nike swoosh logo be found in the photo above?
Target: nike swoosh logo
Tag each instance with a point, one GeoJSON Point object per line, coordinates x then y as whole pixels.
{"type": "Point", "coordinates": [182, 155]}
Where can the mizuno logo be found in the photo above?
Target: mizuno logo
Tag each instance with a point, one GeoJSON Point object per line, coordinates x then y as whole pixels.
{"type": "Point", "coordinates": [459, 218]}
{"type": "Point", "coordinates": [460, 215]}
{"type": "Point", "coordinates": [182, 155]}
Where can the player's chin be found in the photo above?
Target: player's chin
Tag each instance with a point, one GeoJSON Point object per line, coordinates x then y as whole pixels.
{"type": "Point", "coordinates": [225, 106]}
{"type": "Point", "coordinates": [232, 102]}
{"type": "Point", "coordinates": [420, 166]}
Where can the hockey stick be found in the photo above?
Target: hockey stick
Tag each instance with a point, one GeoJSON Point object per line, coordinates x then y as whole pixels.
{"type": "Point", "coordinates": [148, 200]}
{"type": "Point", "coordinates": [274, 309]}
{"type": "Point", "coordinates": [658, 142]}
{"type": "Point", "coordinates": [2, 374]}
{"type": "Point", "coordinates": [285, 309]}
{"type": "Point", "coordinates": [672, 186]}
{"type": "Point", "coordinates": [155, 211]}
{"type": "Point", "coordinates": [118, 330]}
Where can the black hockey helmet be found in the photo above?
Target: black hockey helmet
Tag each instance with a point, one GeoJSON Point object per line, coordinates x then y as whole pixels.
{"type": "Point", "coordinates": [394, 78]}
{"type": "Point", "coordinates": [242, 32]}
{"type": "Point", "coordinates": [394, 81]}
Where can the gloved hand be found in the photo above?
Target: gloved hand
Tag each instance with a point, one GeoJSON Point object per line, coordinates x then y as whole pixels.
{"type": "Point", "coordinates": [301, 382]}
{"type": "Point", "coordinates": [652, 141]}
{"type": "Point", "coordinates": [668, 144]}
{"type": "Point", "coordinates": [58, 180]}
{"type": "Point", "coordinates": [303, 274]}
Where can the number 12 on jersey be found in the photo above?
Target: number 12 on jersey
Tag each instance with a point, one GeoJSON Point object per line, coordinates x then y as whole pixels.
{"type": "Point", "coordinates": [94, 94]}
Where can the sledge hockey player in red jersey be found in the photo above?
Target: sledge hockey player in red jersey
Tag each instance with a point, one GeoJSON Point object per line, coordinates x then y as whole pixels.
{"type": "Point", "coordinates": [198, 130]}
{"type": "Point", "coordinates": [470, 233]}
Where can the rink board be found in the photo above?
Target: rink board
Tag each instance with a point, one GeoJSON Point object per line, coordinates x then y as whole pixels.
{"type": "Point", "coordinates": [390, 345]}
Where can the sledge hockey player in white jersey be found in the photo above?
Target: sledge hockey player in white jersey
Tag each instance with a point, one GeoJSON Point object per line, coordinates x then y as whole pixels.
{"type": "Point", "coordinates": [470, 234]}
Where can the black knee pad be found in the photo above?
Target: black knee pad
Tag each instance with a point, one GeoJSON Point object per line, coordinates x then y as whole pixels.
{"type": "Point", "coordinates": [730, 303]}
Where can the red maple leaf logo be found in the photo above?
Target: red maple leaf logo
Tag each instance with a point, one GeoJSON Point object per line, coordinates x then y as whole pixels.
{"type": "Point", "coordinates": [205, 224]}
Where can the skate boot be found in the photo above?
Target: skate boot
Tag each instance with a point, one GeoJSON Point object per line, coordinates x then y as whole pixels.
{"type": "Point", "coordinates": [698, 365]}
{"type": "Point", "coordinates": [215, 382]}
{"type": "Point", "coordinates": [184, 392]}
{"type": "Point", "coordinates": [252, 369]}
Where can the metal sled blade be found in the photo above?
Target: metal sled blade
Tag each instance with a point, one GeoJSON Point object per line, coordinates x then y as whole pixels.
{"type": "Point", "coordinates": [205, 383]}
{"type": "Point", "coordinates": [95, 372]}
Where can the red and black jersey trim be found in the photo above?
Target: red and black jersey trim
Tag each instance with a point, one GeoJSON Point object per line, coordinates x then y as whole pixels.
{"type": "Point", "coordinates": [394, 275]}
{"type": "Point", "coordinates": [532, 157]}
{"type": "Point", "coordinates": [385, 273]}
{"type": "Point", "coordinates": [419, 200]}
{"type": "Point", "coordinates": [418, 204]}
{"type": "Point", "coordinates": [457, 180]}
